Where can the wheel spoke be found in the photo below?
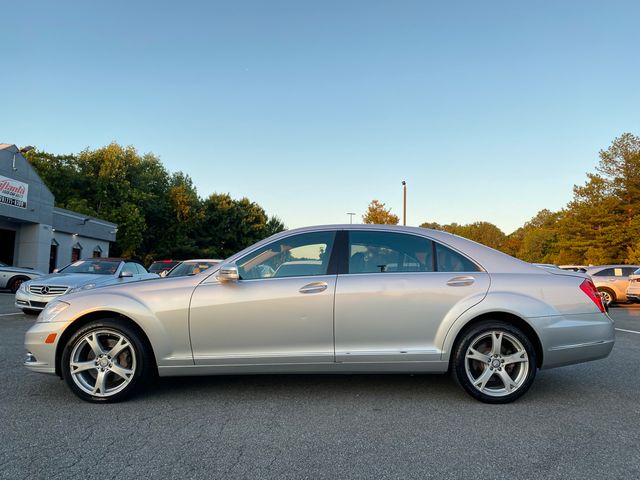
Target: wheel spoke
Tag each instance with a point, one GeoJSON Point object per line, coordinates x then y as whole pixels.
{"type": "Point", "coordinates": [77, 367]}
{"type": "Point", "coordinates": [482, 380]}
{"type": "Point", "coordinates": [516, 358]}
{"type": "Point", "coordinates": [125, 373]}
{"type": "Point", "coordinates": [473, 354]}
{"type": "Point", "coordinates": [118, 347]}
{"type": "Point", "coordinates": [496, 343]}
{"type": "Point", "coordinates": [93, 342]}
{"type": "Point", "coordinates": [101, 383]}
{"type": "Point", "coordinates": [508, 382]}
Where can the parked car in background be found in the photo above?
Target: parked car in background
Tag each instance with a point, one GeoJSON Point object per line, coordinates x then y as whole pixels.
{"type": "Point", "coordinates": [192, 267]}
{"type": "Point", "coordinates": [612, 281]}
{"type": "Point", "coordinates": [162, 267]}
{"type": "Point", "coordinates": [12, 277]}
{"type": "Point", "coordinates": [633, 290]}
{"type": "Point", "coordinates": [34, 295]}
{"type": "Point", "coordinates": [574, 268]}
{"type": "Point", "coordinates": [369, 298]}
{"type": "Point", "coordinates": [546, 265]}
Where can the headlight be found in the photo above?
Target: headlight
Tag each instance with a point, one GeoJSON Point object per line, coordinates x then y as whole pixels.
{"type": "Point", "coordinates": [88, 286]}
{"type": "Point", "coordinates": [23, 287]}
{"type": "Point", "coordinates": [51, 310]}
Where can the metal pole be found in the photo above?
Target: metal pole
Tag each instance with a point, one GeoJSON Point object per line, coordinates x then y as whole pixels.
{"type": "Point", "coordinates": [404, 210]}
{"type": "Point", "coordinates": [351, 214]}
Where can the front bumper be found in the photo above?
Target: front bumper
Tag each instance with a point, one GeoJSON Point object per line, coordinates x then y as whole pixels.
{"type": "Point", "coordinates": [31, 301]}
{"type": "Point", "coordinates": [41, 356]}
{"type": "Point", "coordinates": [573, 339]}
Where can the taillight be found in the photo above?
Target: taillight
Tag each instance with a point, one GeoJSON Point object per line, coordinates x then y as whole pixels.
{"type": "Point", "coordinates": [592, 292]}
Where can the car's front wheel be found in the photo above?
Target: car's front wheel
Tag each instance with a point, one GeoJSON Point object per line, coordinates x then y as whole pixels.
{"type": "Point", "coordinates": [105, 361]}
{"type": "Point", "coordinates": [495, 362]}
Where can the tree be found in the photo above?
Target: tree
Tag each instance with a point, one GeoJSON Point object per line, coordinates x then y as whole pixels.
{"type": "Point", "coordinates": [376, 213]}
{"type": "Point", "coordinates": [482, 232]}
{"type": "Point", "coordinates": [159, 215]}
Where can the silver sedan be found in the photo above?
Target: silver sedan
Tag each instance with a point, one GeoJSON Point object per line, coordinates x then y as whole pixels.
{"type": "Point", "coordinates": [361, 299]}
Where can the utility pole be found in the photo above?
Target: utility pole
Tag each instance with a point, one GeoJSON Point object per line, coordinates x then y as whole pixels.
{"type": "Point", "coordinates": [351, 214]}
{"type": "Point", "coordinates": [404, 210]}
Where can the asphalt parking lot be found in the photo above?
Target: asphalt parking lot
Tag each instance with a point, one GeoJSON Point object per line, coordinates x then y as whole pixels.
{"type": "Point", "coordinates": [580, 421]}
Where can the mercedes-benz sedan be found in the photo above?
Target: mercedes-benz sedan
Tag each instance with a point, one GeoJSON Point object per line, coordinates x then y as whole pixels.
{"type": "Point", "coordinates": [361, 299]}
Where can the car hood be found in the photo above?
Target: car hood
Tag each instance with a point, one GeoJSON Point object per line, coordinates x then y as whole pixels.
{"type": "Point", "coordinates": [21, 270]}
{"type": "Point", "coordinates": [73, 279]}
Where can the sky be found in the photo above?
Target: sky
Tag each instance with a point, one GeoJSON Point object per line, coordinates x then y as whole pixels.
{"type": "Point", "coordinates": [491, 111]}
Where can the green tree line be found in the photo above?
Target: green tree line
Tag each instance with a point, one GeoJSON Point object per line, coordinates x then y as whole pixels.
{"type": "Point", "coordinates": [159, 214]}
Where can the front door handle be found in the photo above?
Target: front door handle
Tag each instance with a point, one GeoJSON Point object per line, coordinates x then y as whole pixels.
{"type": "Point", "coordinates": [315, 287]}
{"type": "Point", "coordinates": [461, 281]}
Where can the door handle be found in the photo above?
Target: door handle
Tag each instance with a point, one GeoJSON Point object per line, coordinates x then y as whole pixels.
{"type": "Point", "coordinates": [315, 287]}
{"type": "Point", "coordinates": [461, 281]}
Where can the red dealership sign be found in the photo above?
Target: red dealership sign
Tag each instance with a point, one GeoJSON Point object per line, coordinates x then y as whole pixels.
{"type": "Point", "coordinates": [13, 192]}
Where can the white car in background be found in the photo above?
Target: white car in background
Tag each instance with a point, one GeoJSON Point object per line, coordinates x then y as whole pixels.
{"type": "Point", "coordinates": [12, 277]}
{"type": "Point", "coordinates": [633, 290]}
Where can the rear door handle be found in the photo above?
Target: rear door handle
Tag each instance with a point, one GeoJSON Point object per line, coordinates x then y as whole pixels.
{"type": "Point", "coordinates": [461, 281]}
{"type": "Point", "coordinates": [315, 287]}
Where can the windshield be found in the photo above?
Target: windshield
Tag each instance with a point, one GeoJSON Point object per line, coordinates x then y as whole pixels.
{"type": "Point", "coordinates": [96, 267]}
{"type": "Point", "coordinates": [190, 268]}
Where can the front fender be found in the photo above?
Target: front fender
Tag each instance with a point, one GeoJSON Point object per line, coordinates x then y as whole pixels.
{"type": "Point", "coordinates": [163, 318]}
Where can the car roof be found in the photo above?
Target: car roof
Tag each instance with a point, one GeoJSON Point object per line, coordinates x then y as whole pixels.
{"type": "Point", "coordinates": [489, 259]}
{"type": "Point", "coordinates": [202, 260]}
{"type": "Point", "coordinates": [109, 259]}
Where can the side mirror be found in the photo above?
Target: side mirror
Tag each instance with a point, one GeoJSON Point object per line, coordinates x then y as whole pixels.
{"type": "Point", "coordinates": [126, 274]}
{"type": "Point", "coordinates": [228, 272]}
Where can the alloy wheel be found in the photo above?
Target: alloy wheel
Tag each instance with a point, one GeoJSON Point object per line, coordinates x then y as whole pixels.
{"type": "Point", "coordinates": [496, 363]}
{"type": "Point", "coordinates": [102, 362]}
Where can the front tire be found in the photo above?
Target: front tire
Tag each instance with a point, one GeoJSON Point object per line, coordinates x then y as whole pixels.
{"type": "Point", "coordinates": [14, 283]}
{"type": "Point", "coordinates": [105, 361]}
{"type": "Point", "coordinates": [494, 362]}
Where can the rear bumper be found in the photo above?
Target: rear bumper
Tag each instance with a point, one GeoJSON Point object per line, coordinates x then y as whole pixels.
{"type": "Point", "coordinates": [571, 339]}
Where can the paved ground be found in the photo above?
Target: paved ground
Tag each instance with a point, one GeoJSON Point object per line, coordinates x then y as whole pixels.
{"type": "Point", "coordinates": [576, 422]}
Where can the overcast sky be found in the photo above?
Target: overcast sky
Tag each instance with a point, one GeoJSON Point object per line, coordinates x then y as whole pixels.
{"type": "Point", "coordinates": [490, 110]}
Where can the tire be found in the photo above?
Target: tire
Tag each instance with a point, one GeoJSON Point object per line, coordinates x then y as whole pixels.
{"type": "Point", "coordinates": [608, 296]}
{"type": "Point", "coordinates": [106, 361]}
{"type": "Point", "coordinates": [14, 283]}
{"type": "Point", "coordinates": [28, 311]}
{"type": "Point", "coordinates": [494, 362]}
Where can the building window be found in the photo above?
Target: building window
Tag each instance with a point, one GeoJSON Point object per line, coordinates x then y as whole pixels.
{"type": "Point", "coordinates": [76, 252]}
{"type": "Point", "coordinates": [97, 252]}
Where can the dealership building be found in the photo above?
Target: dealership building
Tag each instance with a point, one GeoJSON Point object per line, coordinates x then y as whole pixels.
{"type": "Point", "coordinates": [34, 233]}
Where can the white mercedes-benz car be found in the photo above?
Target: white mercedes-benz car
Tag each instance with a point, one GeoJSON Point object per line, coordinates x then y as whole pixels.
{"type": "Point", "coordinates": [33, 296]}
{"type": "Point", "coordinates": [361, 299]}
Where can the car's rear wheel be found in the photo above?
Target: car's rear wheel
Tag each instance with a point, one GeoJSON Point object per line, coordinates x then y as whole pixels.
{"type": "Point", "coordinates": [494, 362]}
{"type": "Point", "coordinates": [105, 361]}
{"type": "Point", "coordinates": [608, 296]}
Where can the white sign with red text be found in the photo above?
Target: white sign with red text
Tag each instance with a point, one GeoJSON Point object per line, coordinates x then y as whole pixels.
{"type": "Point", "coordinates": [13, 192]}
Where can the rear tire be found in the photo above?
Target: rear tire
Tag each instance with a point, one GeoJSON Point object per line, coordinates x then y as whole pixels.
{"type": "Point", "coordinates": [608, 296]}
{"type": "Point", "coordinates": [106, 361]}
{"type": "Point", "coordinates": [494, 362]}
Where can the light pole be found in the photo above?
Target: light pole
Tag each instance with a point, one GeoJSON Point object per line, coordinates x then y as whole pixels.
{"type": "Point", "coordinates": [351, 214]}
{"type": "Point", "coordinates": [404, 209]}
{"type": "Point", "coordinates": [22, 150]}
